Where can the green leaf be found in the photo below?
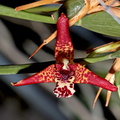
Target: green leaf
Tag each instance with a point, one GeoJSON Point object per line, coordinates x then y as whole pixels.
{"type": "Point", "coordinates": [12, 69]}
{"type": "Point", "coordinates": [110, 47]}
{"type": "Point", "coordinates": [101, 22]}
{"type": "Point", "coordinates": [117, 81]}
{"type": "Point", "coordinates": [70, 8]}
{"type": "Point", "coordinates": [7, 11]}
{"type": "Point", "coordinates": [43, 9]}
{"type": "Point", "coordinates": [101, 58]}
{"type": "Point", "coordinates": [24, 68]}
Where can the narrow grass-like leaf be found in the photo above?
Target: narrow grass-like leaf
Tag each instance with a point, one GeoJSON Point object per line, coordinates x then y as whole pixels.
{"type": "Point", "coordinates": [7, 11]}
{"type": "Point", "coordinates": [24, 68]}
{"type": "Point", "coordinates": [109, 47]}
{"type": "Point", "coordinates": [12, 69]}
{"type": "Point", "coordinates": [42, 9]}
{"type": "Point", "coordinates": [105, 57]}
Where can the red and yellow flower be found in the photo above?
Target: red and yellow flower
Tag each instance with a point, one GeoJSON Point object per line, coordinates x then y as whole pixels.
{"type": "Point", "coordinates": [65, 73]}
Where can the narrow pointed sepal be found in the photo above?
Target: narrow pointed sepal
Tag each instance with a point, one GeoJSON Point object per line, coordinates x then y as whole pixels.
{"type": "Point", "coordinates": [83, 75]}
{"type": "Point", "coordinates": [45, 76]}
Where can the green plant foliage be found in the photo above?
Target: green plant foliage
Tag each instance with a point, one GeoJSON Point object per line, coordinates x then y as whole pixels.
{"type": "Point", "coordinates": [43, 9]}
{"type": "Point", "coordinates": [7, 11]}
{"type": "Point", "coordinates": [24, 68]}
{"type": "Point", "coordinates": [101, 22]}
{"type": "Point", "coordinates": [70, 8]}
{"type": "Point", "coordinates": [12, 69]}
{"type": "Point", "coordinates": [113, 46]}
{"type": "Point", "coordinates": [104, 57]}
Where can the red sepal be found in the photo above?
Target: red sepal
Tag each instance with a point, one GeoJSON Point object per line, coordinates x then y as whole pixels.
{"type": "Point", "coordinates": [45, 76]}
{"type": "Point", "coordinates": [83, 75]}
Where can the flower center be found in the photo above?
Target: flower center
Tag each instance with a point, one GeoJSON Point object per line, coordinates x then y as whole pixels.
{"type": "Point", "coordinates": [64, 80]}
{"type": "Point", "coordinates": [65, 64]}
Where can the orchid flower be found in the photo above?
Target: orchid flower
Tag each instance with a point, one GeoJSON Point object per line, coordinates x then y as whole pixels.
{"type": "Point", "coordinates": [65, 73]}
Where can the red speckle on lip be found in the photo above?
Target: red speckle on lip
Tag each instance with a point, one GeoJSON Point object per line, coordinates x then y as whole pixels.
{"type": "Point", "coordinates": [66, 90]}
{"type": "Point", "coordinates": [71, 85]}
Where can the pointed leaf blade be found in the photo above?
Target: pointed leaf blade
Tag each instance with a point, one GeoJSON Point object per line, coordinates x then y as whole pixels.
{"type": "Point", "coordinates": [7, 11]}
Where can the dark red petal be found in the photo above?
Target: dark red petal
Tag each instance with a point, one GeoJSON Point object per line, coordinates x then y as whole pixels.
{"type": "Point", "coordinates": [45, 76]}
{"type": "Point", "coordinates": [64, 47]}
{"type": "Point", "coordinates": [83, 75]}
